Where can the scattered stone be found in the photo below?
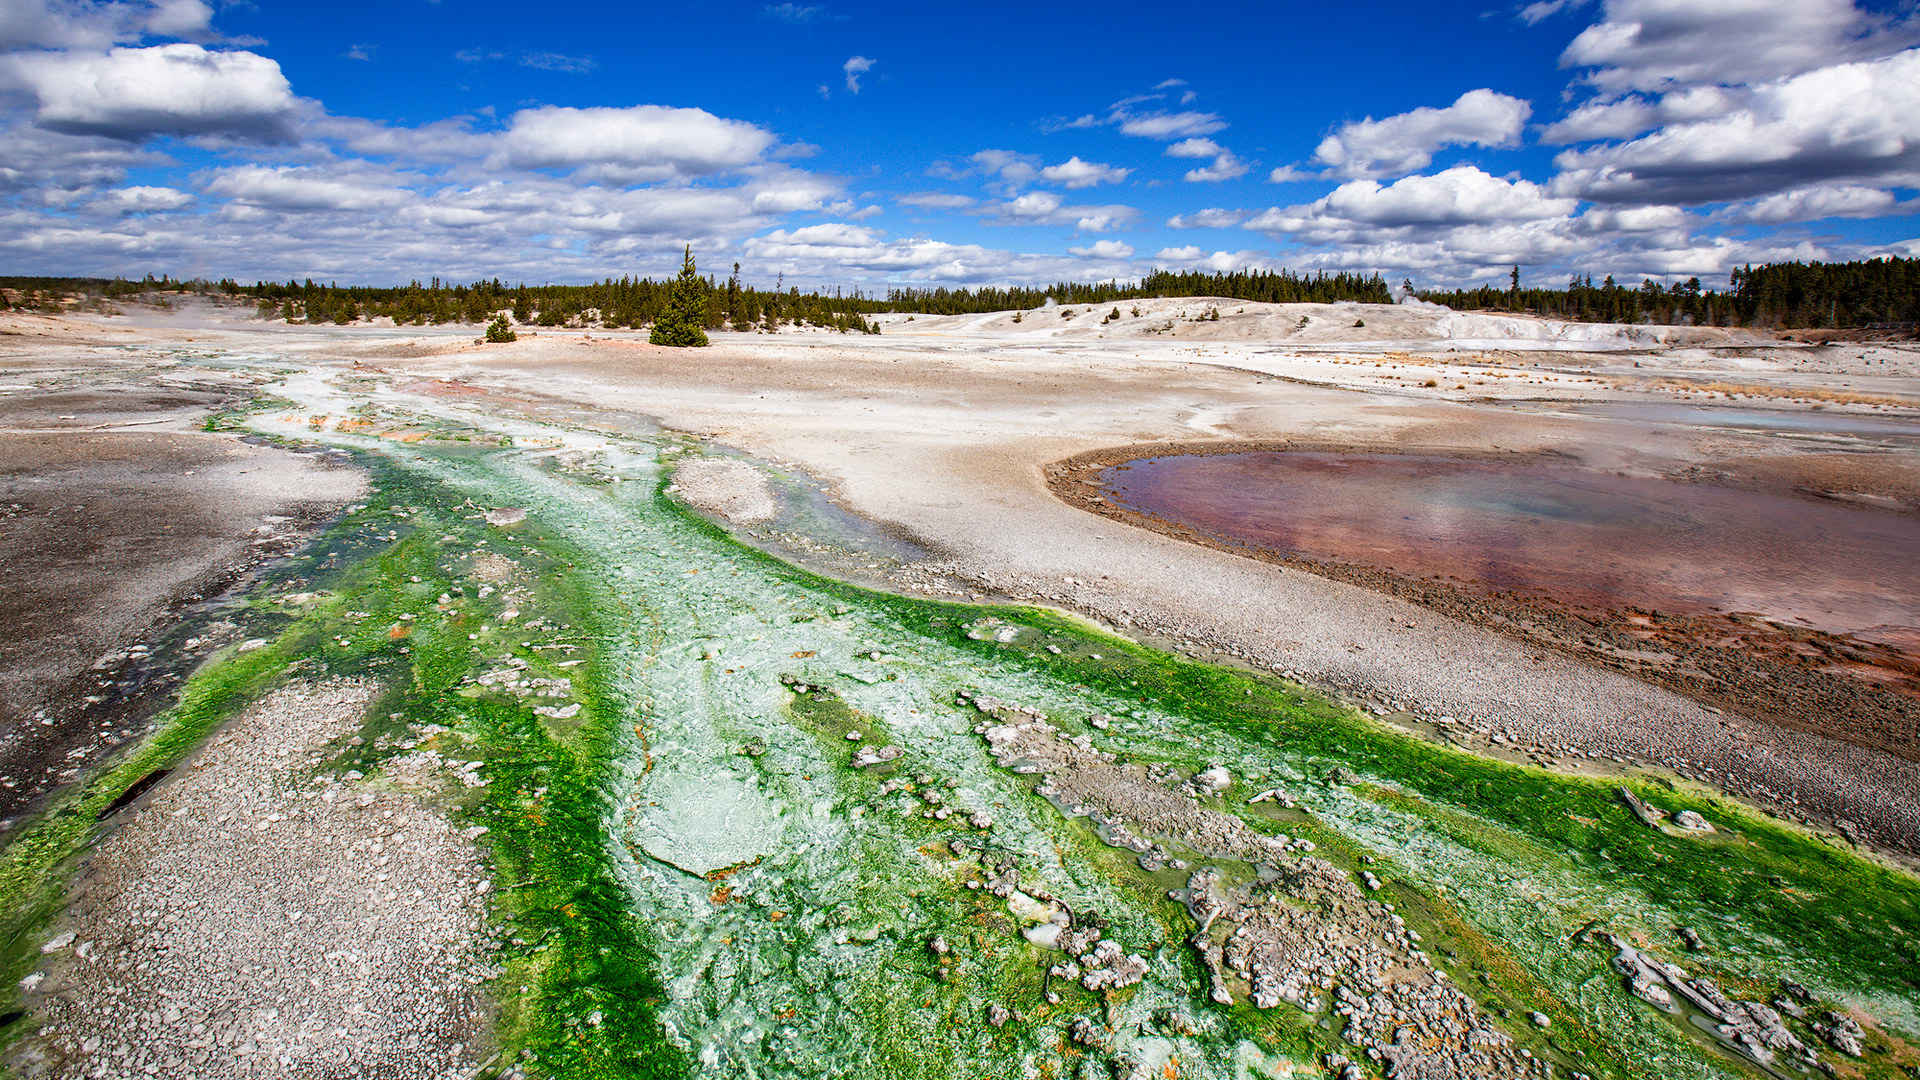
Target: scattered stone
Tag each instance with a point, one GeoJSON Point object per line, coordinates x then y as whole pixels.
{"type": "Point", "coordinates": [1692, 822]}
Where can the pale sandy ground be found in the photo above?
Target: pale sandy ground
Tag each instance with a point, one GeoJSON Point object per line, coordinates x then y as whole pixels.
{"type": "Point", "coordinates": [942, 427]}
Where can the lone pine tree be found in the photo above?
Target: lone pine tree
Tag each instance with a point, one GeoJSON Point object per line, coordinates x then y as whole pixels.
{"type": "Point", "coordinates": [681, 322]}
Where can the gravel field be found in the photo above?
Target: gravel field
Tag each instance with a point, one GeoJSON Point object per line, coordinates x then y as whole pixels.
{"type": "Point", "coordinates": [255, 918]}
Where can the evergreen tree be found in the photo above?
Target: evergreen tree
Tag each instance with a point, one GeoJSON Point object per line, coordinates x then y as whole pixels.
{"type": "Point", "coordinates": [681, 322]}
{"type": "Point", "coordinates": [499, 332]}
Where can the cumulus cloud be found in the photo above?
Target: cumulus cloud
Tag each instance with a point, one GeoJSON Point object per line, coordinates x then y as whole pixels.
{"type": "Point", "coordinates": [77, 24]}
{"type": "Point", "coordinates": [302, 188]}
{"type": "Point", "coordinates": [1225, 165]}
{"type": "Point", "coordinates": [1195, 148]}
{"type": "Point", "coordinates": [1607, 220]}
{"type": "Point", "coordinates": [1407, 141]}
{"type": "Point", "coordinates": [1462, 195]}
{"type": "Point", "coordinates": [1857, 122]}
{"type": "Point", "coordinates": [1624, 117]}
{"type": "Point", "coordinates": [1818, 201]}
{"type": "Point", "coordinates": [1075, 173]}
{"type": "Point", "coordinates": [1663, 44]}
{"type": "Point", "coordinates": [838, 251]}
{"type": "Point", "coordinates": [641, 142]}
{"type": "Point", "coordinates": [855, 67]}
{"type": "Point", "coordinates": [1013, 169]}
{"type": "Point", "coordinates": [1104, 249]}
{"type": "Point", "coordinates": [178, 89]}
{"type": "Point", "coordinates": [1190, 257]}
{"type": "Point", "coordinates": [1047, 208]}
{"type": "Point", "coordinates": [142, 199]}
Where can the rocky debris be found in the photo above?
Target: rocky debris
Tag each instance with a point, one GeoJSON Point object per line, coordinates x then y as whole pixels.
{"type": "Point", "coordinates": [997, 1014]}
{"type": "Point", "coordinates": [253, 920]}
{"type": "Point", "coordinates": [1301, 931]}
{"type": "Point", "coordinates": [1692, 822]}
{"type": "Point", "coordinates": [1648, 816]}
{"type": "Point", "coordinates": [1213, 781]}
{"type": "Point", "coordinates": [1842, 1033]}
{"type": "Point", "coordinates": [505, 516]}
{"type": "Point", "coordinates": [868, 756]}
{"type": "Point", "coordinates": [1748, 1028]}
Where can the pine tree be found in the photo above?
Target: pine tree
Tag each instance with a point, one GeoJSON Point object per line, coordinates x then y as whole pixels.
{"type": "Point", "coordinates": [680, 323]}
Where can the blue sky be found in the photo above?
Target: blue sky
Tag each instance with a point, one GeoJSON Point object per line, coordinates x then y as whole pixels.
{"type": "Point", "coordinates": [874, 145]}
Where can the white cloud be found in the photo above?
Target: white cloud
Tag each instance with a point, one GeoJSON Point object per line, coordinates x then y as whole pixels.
{"type": "Point", "coordinates": [1605, 220]}
{"type": "Point", "coordinates": [79, 24]}
{"type": "Point", "coordinates": [1047, 208]}
{"type": "Point", "coordinates": [839, 251]}
{"type": "Point", "coordinates": [179, 89]}
{"type": "Point", "coordinates": [1195, 148]}
{"type": "Point", "coordinates": [1104, 249]}
{"type": "Point", "coordinates": [936, 200]}
{"type": "Point", "coordinates": [1014, 169]}
{"type": "Point", "coordinates": [180, 19]}
{"type": "Point", "coordinates": [1855, 122]}
{"type": "Point", "coordinates": [1662, 44]}
{"type": "Point", "coordinates": [1620, 118]}
{"type": "Point", "coordinates": [1211, 218]}
{"type": "Point", "coordinates": [1406, 142]}
{"type": "Point", "coordinates": [1462, 195]}
{"type": "Point", "coordinates": [1287, 174]}
{"type": "Point", "coordinates": [303, 188]}
{"type": "Point", "coordinates": [1542, 9]}
{"type": "Point", "coordinates": [1190, 257]}
{"type": "Point", "coordinates": [1819, 201]}
{"type": "Point", "coordinates": [1224, 167]}
{"type": "Point", "coordinates": [1177, 125]}
{"type": "Point", "coordinates": [142, 199]}
{"type": "Point", "coordinates": [855, 67]}
{"type": "Point", "coordinates": [1075, 173]}
{"type": "Point", "coordinates": [641, 142]}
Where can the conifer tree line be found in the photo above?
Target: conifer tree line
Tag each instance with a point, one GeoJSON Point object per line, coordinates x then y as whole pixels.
{"type": "Point", "coordinates": [1871, 292]}
{"type": "Point", "coordinates": [1883, 291]}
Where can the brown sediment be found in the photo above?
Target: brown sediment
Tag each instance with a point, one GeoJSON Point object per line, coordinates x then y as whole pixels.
{"type": "Point", "coordinates": [1866, 692]}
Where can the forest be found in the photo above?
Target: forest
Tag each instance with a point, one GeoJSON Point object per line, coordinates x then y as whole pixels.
{"type": "Point", "coordinates": [1870, 293]}
{"type": "Point", "coordinates": [1875, 293]}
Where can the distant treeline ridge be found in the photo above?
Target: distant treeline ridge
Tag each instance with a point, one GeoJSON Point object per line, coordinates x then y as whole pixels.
{"type": "Point", "coordinates": [1851, 294]}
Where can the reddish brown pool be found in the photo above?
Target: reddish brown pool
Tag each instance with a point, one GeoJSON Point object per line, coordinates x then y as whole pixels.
{"type": "Point", "coordinates": [1592, 540]}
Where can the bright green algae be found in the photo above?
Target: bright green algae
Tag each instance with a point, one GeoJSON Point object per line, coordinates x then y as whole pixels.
{"type": "Point", "coordinates": [693, 879]}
